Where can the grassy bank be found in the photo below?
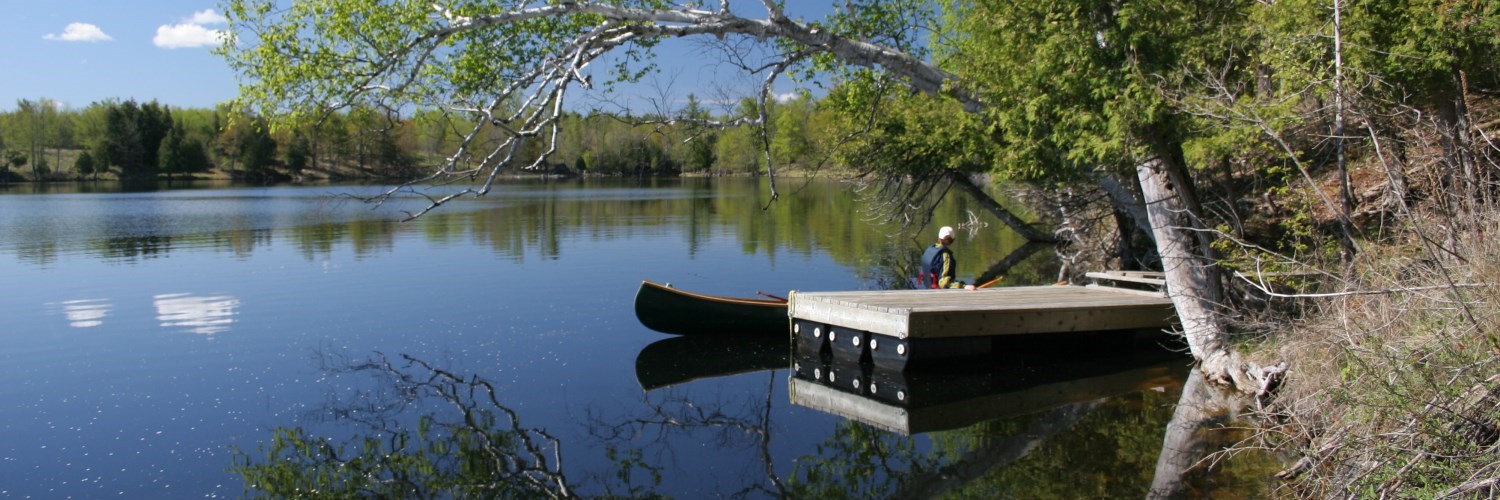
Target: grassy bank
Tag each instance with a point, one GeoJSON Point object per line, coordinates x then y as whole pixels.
{"type": "Point", "coordinates": [1394, 388]}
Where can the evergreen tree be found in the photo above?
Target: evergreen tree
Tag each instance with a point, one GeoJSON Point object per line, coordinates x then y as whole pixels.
{"type": "Point", "coordinates": [101, 160]}
{"type": "Point", "coordinates": [169, 154]}
{"type": "Point", "coordinates": [193, 155]}
{"type": "Point", "coordinates": [259, 151]}
{"type": "Point", "coordinates": [699, 154]}
{"type": "Point", "coordinates": [84, 165]}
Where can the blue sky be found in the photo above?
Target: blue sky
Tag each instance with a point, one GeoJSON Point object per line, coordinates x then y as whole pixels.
{"type": "Point", "coordinates": [81, 51]}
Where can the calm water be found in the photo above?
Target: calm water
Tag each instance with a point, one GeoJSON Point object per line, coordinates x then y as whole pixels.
{"type": "Point", "coordinates": [164, 343]}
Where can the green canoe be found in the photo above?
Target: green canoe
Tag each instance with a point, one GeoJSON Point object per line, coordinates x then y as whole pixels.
{"type": "Point", "coordinates": [669, 310]}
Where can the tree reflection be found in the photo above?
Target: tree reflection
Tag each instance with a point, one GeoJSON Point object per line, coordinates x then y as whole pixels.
{"type": "Point", "coordinates": [424, 432]}
{"type": "Point", "coordinates": [1114, 434]}
{"type": "Point", "coordinates": [860, 461]}
{"type": "Point", "coordinates": [463, 443]}
{"type": "Point", "coordinates": [1195, 448]}
{"type": "Point", "coordinates": [134, 247]}
{"type": "Point", "coordinates": [896, 266]}
{"type": "Point", "coordinates": [524, 221]}
{"type": "Point", "coordinates": [725, 424]}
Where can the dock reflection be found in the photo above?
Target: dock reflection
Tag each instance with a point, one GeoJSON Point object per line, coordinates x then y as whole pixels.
{"type": "Point", "coordinates": [981, 388]}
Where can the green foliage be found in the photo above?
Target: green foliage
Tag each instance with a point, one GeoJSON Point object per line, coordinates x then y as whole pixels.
{"type": "Point", "coordinates": [257, 148]}
{"type": "Point", "coordinates": [900, 24]}
{"type": "Point", "coordinates": [465, 445]}
{"type": "Point", "coordinates": [908, 134]}
{"type": "Point", "coordinates": [35, 126]}
{"type": "Point", "coordinates": [84, 164]}
{"type": "Point", "coordinates": [790, 142]}
{"type": "Point", "coordinates": [297, 153]}
{"type": "Point", "coordinates": [298, 62]}
{"type": "Point", "coordinates": [738, 151]}
{"type": "Point", "coordinates": [169, 156]}
{"type": "Point", "coordinates": [698, 155]}
{"type": "Point", "coordinates": [193, 156]}
{"type": "Point", "coordinates": [1419, 46]}
{"type": "Point", "coordinates": [133, 137]}
{"type": "Point", "coordinates": [1074, 85]}
{"type": "Point", "coordinates": [858, 461]}
{"type": "Point", "coordinates": [309, 52]}
{"type": "Point", "coordinates": [15, 159]}
{"type": "Point", "coordinates": [40, 168]}
{"type": "Point", "coordinates": [627, 464]}
{"type": "Point", "coordinates": [432, 462]}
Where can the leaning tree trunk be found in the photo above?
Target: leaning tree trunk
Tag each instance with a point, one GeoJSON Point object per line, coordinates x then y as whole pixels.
{"type": "Point", "coordinates": [1192, 279]}
{"type": "Point", "coordinates": [1009, 219]}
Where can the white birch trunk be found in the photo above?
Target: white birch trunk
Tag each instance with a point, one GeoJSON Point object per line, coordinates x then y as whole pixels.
{"type": "Point", "coordinates": [1192, 284]}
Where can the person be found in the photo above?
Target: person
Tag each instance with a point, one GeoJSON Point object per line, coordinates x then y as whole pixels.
{"type": "Point", "coordinates": [941, 267]}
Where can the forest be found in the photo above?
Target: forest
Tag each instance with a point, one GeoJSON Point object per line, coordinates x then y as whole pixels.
{"type": "Point", "coordinates": [41, 140]}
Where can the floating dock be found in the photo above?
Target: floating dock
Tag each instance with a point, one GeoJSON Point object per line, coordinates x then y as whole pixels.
{"type": "Point", "coordinates": [891, 328]}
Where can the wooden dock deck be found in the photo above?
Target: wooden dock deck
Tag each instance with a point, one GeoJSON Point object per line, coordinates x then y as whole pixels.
{"type": "Point", "coordinates": [991, 311]}
{"type": "Point", "coordinates": [943, 322]}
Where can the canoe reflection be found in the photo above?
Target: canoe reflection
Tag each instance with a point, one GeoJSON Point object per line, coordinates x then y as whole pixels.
{"type": "Point", "coordinates": [681, 359]}
{"type": "Point", "coordinates": [979, 389]}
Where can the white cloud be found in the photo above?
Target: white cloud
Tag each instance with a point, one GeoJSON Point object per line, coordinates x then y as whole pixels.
{"type": "Point", "coordinates": [192, 32]}
{"type": "Point", "coordinates": [207, 17]}
{"type": "Point", "coordinates": [180, 36]}
{"type": "Point", "coordinates": [79, 32]}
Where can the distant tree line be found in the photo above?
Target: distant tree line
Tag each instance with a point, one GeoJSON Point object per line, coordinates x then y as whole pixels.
{"type": "Point", "coordinates": [44, 140]}
{"type": "Point", "coordinates": [604, 143]}
{"type": "Point", "coordinates": [127, 139]}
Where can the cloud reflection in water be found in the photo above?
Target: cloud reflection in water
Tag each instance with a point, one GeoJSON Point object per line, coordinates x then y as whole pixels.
{"type": "Point", "coordinates": [85, 313]}
{"type": "Point", "coordinates": [201, 315]}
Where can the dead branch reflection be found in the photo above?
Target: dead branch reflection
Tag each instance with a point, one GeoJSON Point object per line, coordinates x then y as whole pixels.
{"type": "Point", "coordinates": [670, 416]}
{"type": "Point", "coordinates": [466, 445]}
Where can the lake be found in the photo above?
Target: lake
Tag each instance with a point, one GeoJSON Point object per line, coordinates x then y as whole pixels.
{"type": "Point", "coordinates": [209, 340]}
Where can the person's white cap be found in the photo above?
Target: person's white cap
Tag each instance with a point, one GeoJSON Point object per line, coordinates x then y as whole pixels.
{"type": "Point", "coordinates": [945, 232]}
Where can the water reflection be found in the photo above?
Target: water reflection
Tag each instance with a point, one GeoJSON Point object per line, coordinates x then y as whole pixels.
{"type": "Point", "coordinates": [517, 222]}
{"type": "Point", "coordinates": [241, 255]}
{"type": "Point", "coordinates": [1009, 424]}
{"type": "Point", "coordinates": [422, 432]}
{"type": "Point", "coordinates": [85, 313]}
{"type": "Point", "coordinates": [677, 360]}
{"type": "Point", "coordinates": [679, 425]}
{"type": "Point", "coordinates": [896, 266]}
{"type": "Point", "coordinates": [962, 394]}
{"type": "Point", "coordinates": [1196, 449]}
{"type": "Point", "coordinates": [1025, 375]}
{"type": "Point", "coordinates": [203, 315]}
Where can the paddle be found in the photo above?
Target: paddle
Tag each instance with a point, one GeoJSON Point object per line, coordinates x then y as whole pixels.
{"type": "Point", "coordinates": [758, 292]}
{"type": "Point", "coordinates": [993, 281]}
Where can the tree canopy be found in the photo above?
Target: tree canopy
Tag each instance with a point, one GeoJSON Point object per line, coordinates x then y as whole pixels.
{"type": "Point", "coordinates": [513, 67]}
{"type": "Point", "coordinates": [1187, 94]}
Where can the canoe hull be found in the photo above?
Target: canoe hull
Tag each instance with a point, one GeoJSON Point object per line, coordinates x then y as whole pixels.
{"type": "Point", "coordinates": [669, 310]}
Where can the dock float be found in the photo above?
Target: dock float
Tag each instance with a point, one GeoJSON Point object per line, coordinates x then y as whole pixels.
{"type": "Point", "coordinates": [894, 327]}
